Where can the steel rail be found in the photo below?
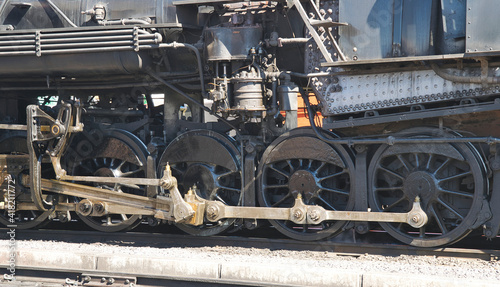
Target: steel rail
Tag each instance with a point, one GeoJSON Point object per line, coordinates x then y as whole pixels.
{"type": "Point", "coordinates": [50, 277]}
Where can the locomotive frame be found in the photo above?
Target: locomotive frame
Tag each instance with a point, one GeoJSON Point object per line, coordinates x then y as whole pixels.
{"type": "Point", "coordinates": [407, 91]}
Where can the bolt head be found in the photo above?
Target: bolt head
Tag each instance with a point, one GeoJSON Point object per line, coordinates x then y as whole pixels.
{"type": "Point", "coordinates": [297, 214]}
{"type": "Point", "coordinates": [415, 218]}
{"type": "Point", "coordinates": [314, 215]}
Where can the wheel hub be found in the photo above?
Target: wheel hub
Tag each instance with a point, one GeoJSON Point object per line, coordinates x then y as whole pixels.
{"type": "Point", "coordinates": [422, 184]}
{"type": "Point", "coordinates": [201, 176]}
{"type": "Point", "coordinates": [104, 172]}
{"type": "Point", "coordinates": [304, 182]}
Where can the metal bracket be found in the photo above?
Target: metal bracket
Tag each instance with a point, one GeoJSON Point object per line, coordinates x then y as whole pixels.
{"type": "Point", "coordinates": [312, 30]}
{"type": "Point", "coordinates": [492, 227]}
{"type": "Point", "coordinates": [106, 280]}
{"type": "Point", "coordinates": [360, 186]}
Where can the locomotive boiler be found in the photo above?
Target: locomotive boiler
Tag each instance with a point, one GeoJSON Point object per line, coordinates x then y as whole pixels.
{"type": "Point", "coordinates": [185, 111]}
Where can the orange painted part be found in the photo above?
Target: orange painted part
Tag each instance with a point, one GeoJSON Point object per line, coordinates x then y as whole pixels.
{"type": "Point", "coordinates": [302, 121]}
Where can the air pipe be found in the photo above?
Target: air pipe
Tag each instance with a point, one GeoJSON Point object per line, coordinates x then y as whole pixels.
{"type": "Point", "coordinates": [465, 79]}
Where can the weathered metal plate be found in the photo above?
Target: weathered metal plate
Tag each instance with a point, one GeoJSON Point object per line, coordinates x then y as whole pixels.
{"type": "Point", "coordinates": [453, 27]}
{"type": "Point", "coordinates": [482, 26]}
{"type": "Point", "coordinates": [415, 27]}
{"type": "Point", "coordinates": [385, 28]}
{"type": "Point", "coordinates": [385, 90]}
{"type": "Point", "coordinates": [369, 31]}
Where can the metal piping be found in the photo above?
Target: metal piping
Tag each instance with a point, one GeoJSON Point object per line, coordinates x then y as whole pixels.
{"type": "Point", "coordinates": [285, 41]}
{"type": "Point", "coordinates": [95, 86]}
{"type": "Point", "coordinates": [175, 89]}
{"type": "Point", "coordinates": [50, 43]}
{"type": "Point", "coordinates": [463, 79]}
{"type": "Point", "coordinates": [123, 22]}
{"type": "Point", "coordinates": [176, 45]}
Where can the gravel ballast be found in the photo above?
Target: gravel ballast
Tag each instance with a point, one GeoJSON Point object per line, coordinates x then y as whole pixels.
{"type": "Point", "coordinates": [306, 268]}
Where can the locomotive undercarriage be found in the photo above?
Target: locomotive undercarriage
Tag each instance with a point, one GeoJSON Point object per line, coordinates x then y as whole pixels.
{"type": "Point", "coordinates": [407, 143]}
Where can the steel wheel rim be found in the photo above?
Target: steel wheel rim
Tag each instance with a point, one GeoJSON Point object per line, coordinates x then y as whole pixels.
{"type": "Point", "coordinates": [442, 180]}
{"type": "Point", "coordinates": [25, 219]}
{"type": "Point", "coordinates": [213, 181]}
{"type": "Point", "coordinates": [115, 167]}
{"type": "Point", "coordinates": [325, 183]}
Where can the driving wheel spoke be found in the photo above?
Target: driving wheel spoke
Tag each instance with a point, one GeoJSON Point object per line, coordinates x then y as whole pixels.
{"type": "Point", "coordinates": [319, 172]}
{"type": "Point", "coordinates": [448, 178]}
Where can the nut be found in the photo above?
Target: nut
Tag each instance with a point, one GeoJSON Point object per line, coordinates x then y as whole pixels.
{"type": "Point", "coordinates": [212, 212]}
{"type": "Point", "coordinates": [298, 214]}
{"type": "Point", "coordinates": [415, 218]}
{"type": "Point", "coordinates": [314, 215]}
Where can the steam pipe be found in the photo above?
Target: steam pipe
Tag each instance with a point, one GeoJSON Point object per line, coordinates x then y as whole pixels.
{"type": "Point", "coordinates": [293, 40]}
{"type": "Point", "coordinates": [123, 22]}
{"type": "Point", "coordinates": [93, 38]}
{"type": "Point", "coordinates": [96, 44]}
{"type": "Point", "coordinates": [274, 99]}
{"type": "Point", "coordinates": [463, 79]}
{"type": "Point", "coordinates": [176, 45]}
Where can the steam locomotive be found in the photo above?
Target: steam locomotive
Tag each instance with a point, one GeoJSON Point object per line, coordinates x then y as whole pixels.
{"type": "Point", "coordinates": [185, 111]}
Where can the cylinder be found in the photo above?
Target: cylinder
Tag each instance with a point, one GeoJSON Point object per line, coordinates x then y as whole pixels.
{"type": "Point", "coordinates": [248, 91]}
{"type": "Point", "coordinates": [71, 65]}
{"type": "Point", "coordinates": [287, 95]}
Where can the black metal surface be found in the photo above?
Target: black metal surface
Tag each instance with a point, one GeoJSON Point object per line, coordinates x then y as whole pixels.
{"type": "Point", "coordinates": [209, 163]}
{"type": "Point", "coordinates": [298, 163]}
{"type": "Point", "coordinates": [448, 179]}
{"type": "Point", "coordinates": [116, 153]}
{"type": "Point", "coordinates": [412, 115]}
{"type": "Point", "coordinates": [15, 144]}
{"type": "Point", "coordinates": [233, 56]}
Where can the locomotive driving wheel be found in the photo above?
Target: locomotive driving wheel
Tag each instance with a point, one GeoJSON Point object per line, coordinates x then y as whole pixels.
{"type": "Point", "coordinates": [448, 178]}
{"type": "Point", "coordinates": [300, 163]}
{"type": "Point", "coordinates": [208, 162]}
{"type": "Point", "coordinates": [15, 144]}
{"type": "Point", "coordinates": [112, 153]}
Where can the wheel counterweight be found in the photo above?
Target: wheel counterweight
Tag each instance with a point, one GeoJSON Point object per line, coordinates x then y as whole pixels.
{"type": "Point", "coordinates": [117, 153]}
{"type": "Point", "coordinates": [209, 163]}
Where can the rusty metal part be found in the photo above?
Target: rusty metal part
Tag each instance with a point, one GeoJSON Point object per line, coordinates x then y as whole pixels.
{"type": "Point", "coordinates": [15, 194]}
{"type": "Point", "coordinates": [41, 128]}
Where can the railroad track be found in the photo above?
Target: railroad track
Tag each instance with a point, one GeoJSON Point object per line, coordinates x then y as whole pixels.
{"type": "Point", "coordinates": [50, 273]}
{"type": "Point", "coordinates": [342, 245]}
